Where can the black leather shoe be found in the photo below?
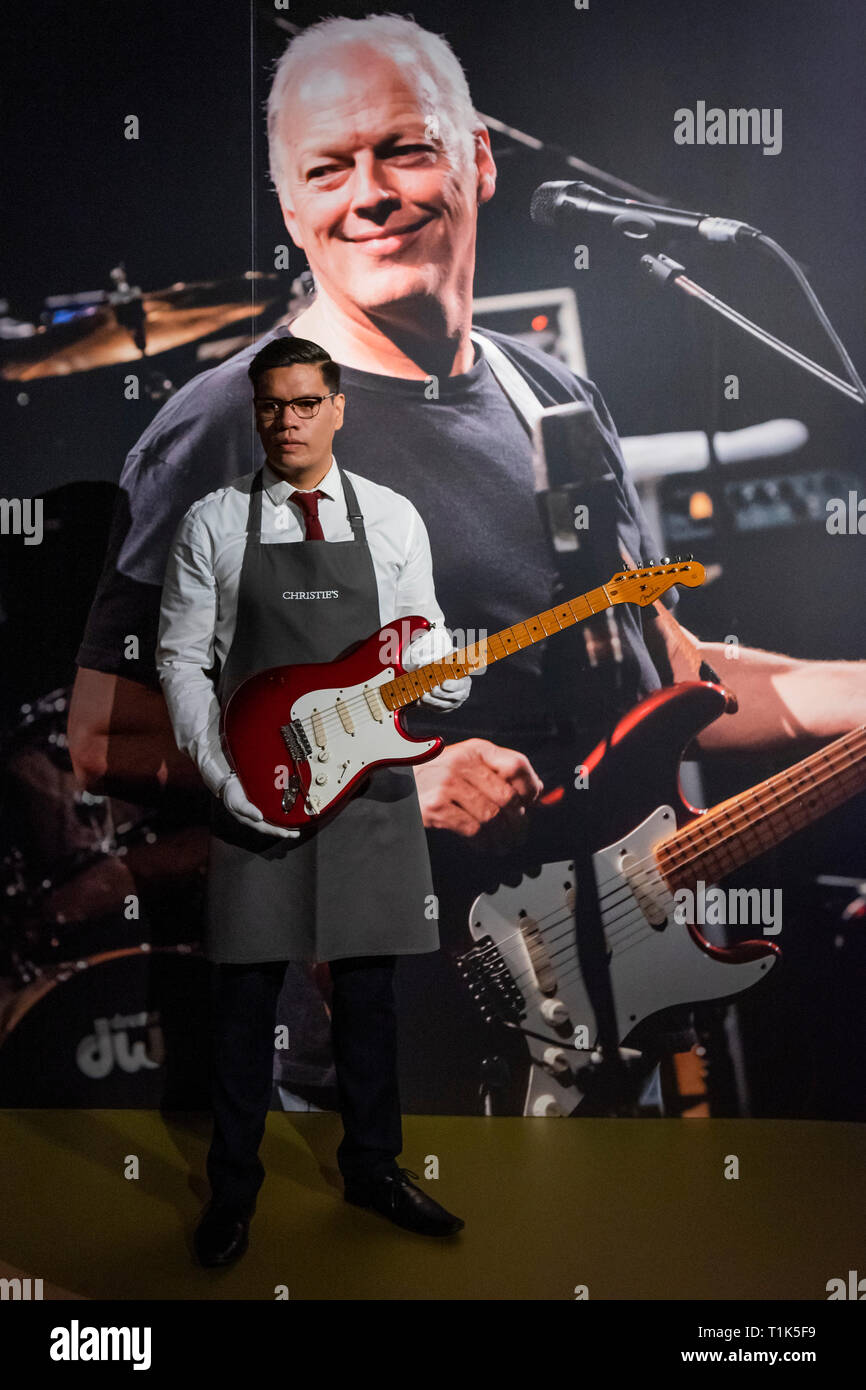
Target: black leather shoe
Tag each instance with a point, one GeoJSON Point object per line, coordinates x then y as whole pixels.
{"type": "Point", "coordinates": [402, 1202]}
{"type": "Point", "coordinates": [222, 1236]}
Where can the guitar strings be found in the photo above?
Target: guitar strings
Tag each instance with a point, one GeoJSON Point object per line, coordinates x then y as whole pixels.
{"type": "Point", "coordinates": [834, 758]}
{"type": "Point", "coordinates": [685, 845]}
{"type": "Point", "coordinates": [716, 837]}
{"type": "Point", "coordinates": [622, 937]}
{"type": "Point", "coordinates": [631, 928]}
{"type": "Point", "coordinates": [556, 946]}
{"type": "Point", "coordinates": [685, 842]}
{"type": "Point", "coordinates": [627, 931]}
{"type": "Point", "coordinates": [357, 704]}
{"type": "Point", "coordinates": [643, 870]}
{"type": "Point", "coordinates": [631, 931]}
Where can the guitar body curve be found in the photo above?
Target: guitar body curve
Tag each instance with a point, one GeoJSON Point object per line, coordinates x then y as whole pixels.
{"type": "Point", "coordinates": [525, 967]}
{"type": "Point", "coordinates": [303, 738]}
{"type": "Point", "coordinates": [640, 768]}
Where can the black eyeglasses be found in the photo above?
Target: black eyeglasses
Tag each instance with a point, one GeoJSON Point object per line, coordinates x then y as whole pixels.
{"type": "Point", "coordinates": [305, 407]}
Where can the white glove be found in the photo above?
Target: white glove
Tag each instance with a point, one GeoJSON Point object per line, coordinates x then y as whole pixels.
{"type": "Point", "coordinates": [432, 645]}
{"type": "Point", "coordinates": [232, 796]}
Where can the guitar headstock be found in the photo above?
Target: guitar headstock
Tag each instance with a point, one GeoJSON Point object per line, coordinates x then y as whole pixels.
{"type": "Point", "coordinates": [648, 583]}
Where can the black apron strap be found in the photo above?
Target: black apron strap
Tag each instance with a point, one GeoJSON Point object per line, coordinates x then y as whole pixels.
{"type": "Point", "coordinates": [254, 515]}
{"type": "Point", "coordinates": [353, 511]}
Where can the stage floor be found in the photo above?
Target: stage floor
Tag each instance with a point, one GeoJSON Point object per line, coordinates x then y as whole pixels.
{"type": "Point", "coordinates": [631, 1209]}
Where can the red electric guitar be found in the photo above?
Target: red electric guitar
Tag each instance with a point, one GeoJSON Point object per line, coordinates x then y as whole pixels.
{"type": "Point", "coordinates": [303, 738]}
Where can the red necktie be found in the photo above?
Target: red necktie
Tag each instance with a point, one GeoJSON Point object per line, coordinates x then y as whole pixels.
{"type": "Point", "coordinates": [309, 505]}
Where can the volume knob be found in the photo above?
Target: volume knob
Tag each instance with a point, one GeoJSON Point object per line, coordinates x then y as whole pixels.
{"type": "Point", "coordinates": [554, 1011]}
{"type": "Point", "coordinates": [546, 1107]}
{"type": "Point", "coordinates": [556, 1060]}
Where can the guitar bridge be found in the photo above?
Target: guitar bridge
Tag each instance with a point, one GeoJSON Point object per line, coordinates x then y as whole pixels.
{"type": "Point", "coordinates": [296, 740]}
{"type": "Point", "coordinates": [491, 984]}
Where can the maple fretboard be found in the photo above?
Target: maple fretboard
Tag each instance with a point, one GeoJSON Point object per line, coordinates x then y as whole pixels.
{"type": "Point", "coordinates": [747, 825]}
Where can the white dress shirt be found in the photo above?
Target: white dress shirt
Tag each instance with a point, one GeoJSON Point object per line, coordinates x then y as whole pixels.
{"type": "Point", "coordinates": [199, 597]}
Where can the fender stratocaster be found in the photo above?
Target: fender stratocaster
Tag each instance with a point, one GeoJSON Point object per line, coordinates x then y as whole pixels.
{"type": "Point", "coordinates": [524, 970]}
{"type": "Point", "coordinates": [302, 739]}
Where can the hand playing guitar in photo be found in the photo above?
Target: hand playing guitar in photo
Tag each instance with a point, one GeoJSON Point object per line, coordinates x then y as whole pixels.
{"type": "Point", "coordinates": [479, 791]}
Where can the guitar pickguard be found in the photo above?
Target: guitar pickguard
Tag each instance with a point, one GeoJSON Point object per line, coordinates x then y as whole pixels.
{"type": "Point", "coordinates": [350, 732]}
{"type": "Point", "coordinates": [654, 962]}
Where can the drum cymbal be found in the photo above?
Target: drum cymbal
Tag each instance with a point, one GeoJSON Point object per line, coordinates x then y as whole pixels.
{"type": "Point", "coordinates": [126, 326]}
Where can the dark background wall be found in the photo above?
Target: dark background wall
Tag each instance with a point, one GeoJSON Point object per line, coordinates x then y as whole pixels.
{"type": "Point", "coordinates": [190, 200]}
{"type": "Point", "coordinates": [178, 204]}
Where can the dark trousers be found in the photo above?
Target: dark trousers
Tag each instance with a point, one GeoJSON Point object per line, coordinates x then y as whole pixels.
{"type": "Point", "coordinates": [364, 1041]}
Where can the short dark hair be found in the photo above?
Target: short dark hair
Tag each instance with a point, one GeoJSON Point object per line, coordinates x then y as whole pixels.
{"type": "Point", "coordinates": [289, 352]}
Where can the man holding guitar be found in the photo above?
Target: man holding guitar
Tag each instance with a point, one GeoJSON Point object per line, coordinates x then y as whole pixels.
{"type": "Point", "coordinates": [291, 565]}
{"type": "Point", "coordinates": [382, 166]}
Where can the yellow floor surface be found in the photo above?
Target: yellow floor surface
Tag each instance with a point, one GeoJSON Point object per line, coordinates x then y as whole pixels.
{"type": "Point", "coordinates": [631, 1209]}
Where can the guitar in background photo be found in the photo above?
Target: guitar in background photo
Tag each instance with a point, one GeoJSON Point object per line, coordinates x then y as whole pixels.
{"type": "Point", "coordinates": [657, 863]}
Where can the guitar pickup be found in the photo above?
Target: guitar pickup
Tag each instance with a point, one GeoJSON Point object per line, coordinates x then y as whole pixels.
{"type": "Point", "coordinates": [345, 717]}
{"type": "Point", "coordinates": [374, 704]}
{"type": "Point", "coordinates": [296, 740]}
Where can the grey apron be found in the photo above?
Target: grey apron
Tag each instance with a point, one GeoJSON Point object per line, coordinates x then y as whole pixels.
{"type": "Point", "coordinates": [360, 883]}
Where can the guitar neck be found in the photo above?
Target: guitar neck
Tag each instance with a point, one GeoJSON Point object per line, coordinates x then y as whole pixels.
{"type": "Point", "coordinates": [411, 685]}
{"type": "Point", "coordinates": [745, 826]}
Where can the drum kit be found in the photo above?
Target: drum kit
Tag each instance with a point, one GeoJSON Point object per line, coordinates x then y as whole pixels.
{"type": "Point", "coordinates": [103, 996]}
{"type": "Point", "coordinates": [101, 328]}
{"type": "Point", "coordinates": [105, 999]}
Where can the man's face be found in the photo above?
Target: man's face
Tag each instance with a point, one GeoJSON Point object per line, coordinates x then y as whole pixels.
{"type": "Point", "coordinates": [295, 447]}
{"type": "Point", "coordinates": [376, 193]}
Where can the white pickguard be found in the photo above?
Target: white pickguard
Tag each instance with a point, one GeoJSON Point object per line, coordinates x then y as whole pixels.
{"type": "Point", "coordinates": [650, 969]}
{"type": "Point", "coordinates": [345, 754]}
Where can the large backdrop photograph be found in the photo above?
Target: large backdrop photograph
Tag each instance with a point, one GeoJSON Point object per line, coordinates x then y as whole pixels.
{"type": "Point", "coordinates": [433, 715]}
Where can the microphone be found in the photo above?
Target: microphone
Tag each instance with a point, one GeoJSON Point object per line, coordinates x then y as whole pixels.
{"type": "Point", "coordinates": [559, 202]}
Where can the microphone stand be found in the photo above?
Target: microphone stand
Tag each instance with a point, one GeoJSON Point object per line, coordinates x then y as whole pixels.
{"type": "Point", "coordinates": [723, 513]}
{"type": "Point", "coordinates": [665, 271]}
